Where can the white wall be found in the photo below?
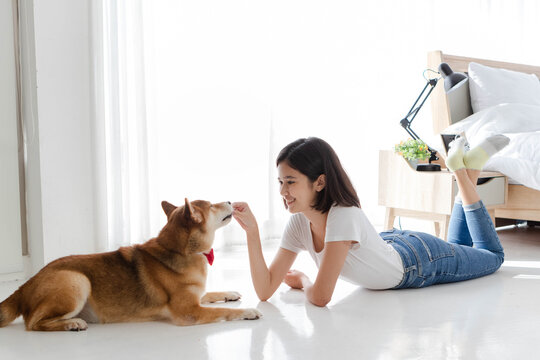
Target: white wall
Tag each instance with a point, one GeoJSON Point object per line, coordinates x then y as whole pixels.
{"type": "Point", "coordinates": [58, 124]}
{"type": "Point", "coordinates": [10, 216]}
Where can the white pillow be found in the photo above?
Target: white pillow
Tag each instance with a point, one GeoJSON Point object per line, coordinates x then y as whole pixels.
{"type": "Point", "coordinates": [490, 86]}
{"type": "Point", "coordinates": [500, 119]}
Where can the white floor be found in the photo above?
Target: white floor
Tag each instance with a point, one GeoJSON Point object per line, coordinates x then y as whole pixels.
{"type": "Point", "coordinates": [496, 317]}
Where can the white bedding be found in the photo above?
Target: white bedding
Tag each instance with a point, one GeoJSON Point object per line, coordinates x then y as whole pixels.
{"type": "Point", "coordinates": [520, 160]}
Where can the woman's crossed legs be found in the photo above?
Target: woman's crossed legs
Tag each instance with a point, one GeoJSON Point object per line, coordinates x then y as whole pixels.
{"type": "Point", "coordinates": [473, 248]}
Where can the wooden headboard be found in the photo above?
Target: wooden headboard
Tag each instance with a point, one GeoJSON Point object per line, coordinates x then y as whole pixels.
{"type": "Point", "coordinates": [439, 100]}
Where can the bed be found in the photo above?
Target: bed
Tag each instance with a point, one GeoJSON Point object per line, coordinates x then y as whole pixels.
{"type": "Point", "coordinates": [523, 202]}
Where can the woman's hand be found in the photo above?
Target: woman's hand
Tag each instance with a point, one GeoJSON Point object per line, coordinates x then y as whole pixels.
{"type": "Point", "coordinates": [294, 279]}
{"type": "Point", "coordinates": [242, 213]}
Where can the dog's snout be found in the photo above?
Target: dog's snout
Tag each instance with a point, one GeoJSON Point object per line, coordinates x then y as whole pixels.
{"type": "Point", "coordinates": [228, 202]}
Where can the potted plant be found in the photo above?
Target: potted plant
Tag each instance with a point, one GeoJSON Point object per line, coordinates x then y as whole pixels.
{"type": "Point", "coordinates": [412, 150]}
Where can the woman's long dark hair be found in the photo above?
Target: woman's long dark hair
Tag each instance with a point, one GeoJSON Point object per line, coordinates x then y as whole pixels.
{"type": "Point", "coordinates": [313, 157]}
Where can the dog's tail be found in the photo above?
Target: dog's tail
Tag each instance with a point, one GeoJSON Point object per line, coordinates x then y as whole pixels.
{"type": "Point", "coordinates": [10, 308]}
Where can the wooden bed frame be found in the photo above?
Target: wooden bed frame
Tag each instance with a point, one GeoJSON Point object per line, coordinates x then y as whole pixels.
{"type": "Point", "coordinates": [523, 203]}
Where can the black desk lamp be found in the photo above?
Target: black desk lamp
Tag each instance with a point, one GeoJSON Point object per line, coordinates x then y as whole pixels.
{"type": "Point", "coordinates": [450, 80]}
{"type": "Point", "coordinates": [408, 119]}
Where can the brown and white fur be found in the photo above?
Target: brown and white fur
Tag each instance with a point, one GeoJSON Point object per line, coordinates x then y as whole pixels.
{"type": "Point", "coordinates": [162, 279]}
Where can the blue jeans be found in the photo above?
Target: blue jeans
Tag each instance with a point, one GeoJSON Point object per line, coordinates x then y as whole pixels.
{"type": "Point", "coordinates": [428, 260]}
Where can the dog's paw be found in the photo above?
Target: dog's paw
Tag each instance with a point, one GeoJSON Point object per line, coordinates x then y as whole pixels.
{"type": "Point", "coordinates": [213, 297]}
{"type": "Point", "coordinates": [251, 314]}
{"type": "Point", "coordinates": [232, 296]}
{"type": "Point", "coordinates": [76, 325]}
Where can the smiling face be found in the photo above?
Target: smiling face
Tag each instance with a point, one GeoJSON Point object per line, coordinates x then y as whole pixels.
{"type": "Point", "coordinates": [297, 190]}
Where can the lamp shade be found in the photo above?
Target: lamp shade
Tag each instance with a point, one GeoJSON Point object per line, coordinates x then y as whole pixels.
{"type": "Point", "coordinates": [450, 77]}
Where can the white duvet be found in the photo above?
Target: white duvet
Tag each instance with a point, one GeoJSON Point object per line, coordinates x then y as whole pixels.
{"type": "Point", "coordinates": [520, 160]}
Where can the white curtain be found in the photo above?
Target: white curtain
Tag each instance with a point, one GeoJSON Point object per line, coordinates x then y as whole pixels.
{"type": "Point", "coordinates": [122, 110]}
{"type": "Point", "coordinates": [205, 93]}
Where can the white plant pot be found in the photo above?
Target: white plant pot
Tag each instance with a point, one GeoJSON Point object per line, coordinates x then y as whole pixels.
{"type": "Point", "coordinates": [413, 163]}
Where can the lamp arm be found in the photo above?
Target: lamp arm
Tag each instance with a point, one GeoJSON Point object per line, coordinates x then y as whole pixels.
{"type": "Point", "coordinates": [414, 110]}
{"type": "Point", "coordinates": [406, 125]}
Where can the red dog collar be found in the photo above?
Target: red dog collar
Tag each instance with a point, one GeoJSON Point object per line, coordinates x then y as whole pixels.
{"type": "Point", "coordinates": [210, 256]}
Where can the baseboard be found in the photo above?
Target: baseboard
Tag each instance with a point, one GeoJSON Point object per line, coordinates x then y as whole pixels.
{"type": "Point", "coordinates": [12, 277]}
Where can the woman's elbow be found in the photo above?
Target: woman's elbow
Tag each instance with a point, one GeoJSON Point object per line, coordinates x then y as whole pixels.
{"type": "Point", "coordinates": [263, 296]}
{"type": "Point", "coordinates": [321, 302]}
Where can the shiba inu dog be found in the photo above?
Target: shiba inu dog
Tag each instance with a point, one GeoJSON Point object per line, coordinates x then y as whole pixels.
{"type": "Point", "coordinates": [162, 279]}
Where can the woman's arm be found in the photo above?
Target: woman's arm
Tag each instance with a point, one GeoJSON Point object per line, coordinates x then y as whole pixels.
{"type": "Point", "coordinates": [265, 280]}
{"type": "Point", "coordinates": [320, 292]}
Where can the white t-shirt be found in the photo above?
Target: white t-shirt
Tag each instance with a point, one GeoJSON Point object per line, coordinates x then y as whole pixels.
{"type": "Point", "coordinates": [371, 262]}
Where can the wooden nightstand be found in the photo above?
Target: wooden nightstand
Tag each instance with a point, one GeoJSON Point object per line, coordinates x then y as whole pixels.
{"type": "Point", "coordinates": [429, 195]}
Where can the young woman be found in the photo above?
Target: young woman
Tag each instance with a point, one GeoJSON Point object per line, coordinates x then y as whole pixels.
{"type": "Point", "coordinates": [328, 222]}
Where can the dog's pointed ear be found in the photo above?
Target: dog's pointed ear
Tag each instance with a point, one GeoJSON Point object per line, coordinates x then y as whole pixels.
{"type": "Point", "coordinates": [168, 208]}
{"type": "Point", "coordinates": [189, 213]}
